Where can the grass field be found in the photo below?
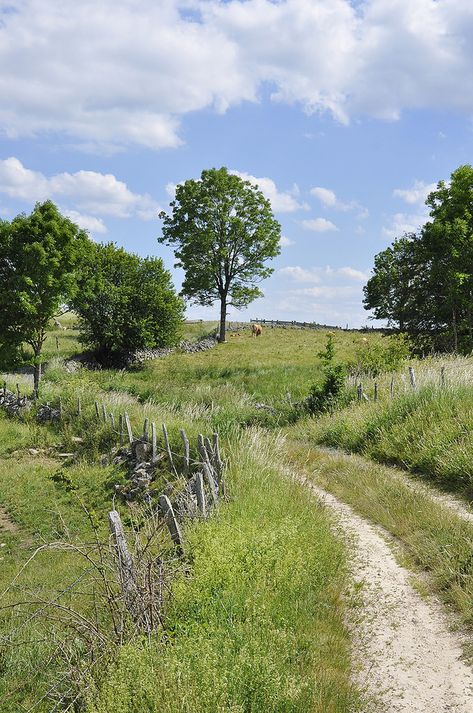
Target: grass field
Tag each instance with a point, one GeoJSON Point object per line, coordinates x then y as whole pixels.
{"type": "Point", "coordinates": [260, 623]}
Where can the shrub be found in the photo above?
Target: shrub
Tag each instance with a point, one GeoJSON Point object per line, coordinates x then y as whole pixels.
{"type": "Point", "coordinates": [330, 393]}
{"type": "Point", "coordinates": [372, 358]}
{"type": "Point", "coordinates": [125, 303]}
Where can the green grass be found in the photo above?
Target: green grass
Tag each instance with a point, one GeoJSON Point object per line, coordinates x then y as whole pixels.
{"type": "Point", "coordinates": [259, 626]}
{"type": "Point", "coordinates": [436, 539]}
{"type": "Point", "coordinates": [427, 431]}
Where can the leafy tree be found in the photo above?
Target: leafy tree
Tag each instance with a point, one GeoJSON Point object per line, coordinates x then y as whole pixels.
{"type": "Point", "coordinates": [125, 303]}
{"type": "Point", "coordinates": [38, 257]}
{"type": "Point", "coordinates": [223, 231]}
{"type": "Point", "coordinates": [423, 283]}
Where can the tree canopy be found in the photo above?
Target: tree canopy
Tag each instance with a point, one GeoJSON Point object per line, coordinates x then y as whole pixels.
{"type": "Point", "coordinates": [125, 302]}
{"type": "Point", "coordinates": [223, 233]}
{"type": "Point", "coordinates": [38, 258]}
{"type": "Point", "coordinates": [423, 282]}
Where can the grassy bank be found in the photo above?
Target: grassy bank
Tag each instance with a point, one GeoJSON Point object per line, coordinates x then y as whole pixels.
{"type": "Point", "coordinates": [428, 431]}
{"type": "Point", "coordinates": [259, 626]}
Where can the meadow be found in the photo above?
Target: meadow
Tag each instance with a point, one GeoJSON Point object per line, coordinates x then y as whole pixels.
{"type": "Point", "coordinates": [259, 617]}
{"type": "Point", "coordinates": [233, 638]}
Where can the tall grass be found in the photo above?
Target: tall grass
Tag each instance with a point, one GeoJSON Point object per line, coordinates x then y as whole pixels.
{"type": "Point", "coordinates": [428, 431]}
{"type": "Point", "coordinates": [259, 625]}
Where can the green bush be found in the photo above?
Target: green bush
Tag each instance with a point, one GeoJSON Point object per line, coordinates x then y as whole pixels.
{"type": "Point", "coordinates": [125, 303]}
{"type": "Point", "coordinates": [374, 357]}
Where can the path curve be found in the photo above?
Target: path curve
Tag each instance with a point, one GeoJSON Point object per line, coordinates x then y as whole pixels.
{"type": "Point", "coordinates": [409, 661]}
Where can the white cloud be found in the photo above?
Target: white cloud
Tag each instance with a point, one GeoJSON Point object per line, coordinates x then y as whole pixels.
{"type": "Point", "coordinates": [123, 72]}
{"type": "Point", "coordinates": [89, 191]}
{"type": "Point", "coordinates": [416, 194]}
{"type": "Point", "coordinates": [90, 223]}
{"type": "Point", "coordinates": [325, 196]}
{"type": "Point", "coordinates": [285, 242]}
{"type": "Point", "coordinates": [319, 225]}
{"type": "Point", "coordinates": [281, 202]}
{"type": "Point", "coordinates": [329, 199]}
{"type": "Point", "coordinates": [316, 274]}
{"type": "Point", "coordinates": [404, 223]}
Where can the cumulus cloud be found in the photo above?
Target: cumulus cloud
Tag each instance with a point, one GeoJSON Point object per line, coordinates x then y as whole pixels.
{"type": "Point", "coordinates": [119, 72]}
{"type": "Point", "coordinates": [89, 191]}
{"type": "Point", "coordinates": [281, 202]}
{"type": "Point", "coordinates": [319, 225]}
{"type": "Point", "coordinates": [88, 222]}
{"type": "Point", "coordinates": [404, 223]}
{"type": "Point", "coordinates": [286, 242]}
{"type": "Point", "coordinates": [316, 274]}
{"type": "Point", "coordinates": [329, 199]}
{"type": "Point", "coordinates": [416, 194]}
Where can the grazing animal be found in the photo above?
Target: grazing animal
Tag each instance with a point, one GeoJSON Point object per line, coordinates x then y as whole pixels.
{"type": "Point", "coordinates": [256, 330]}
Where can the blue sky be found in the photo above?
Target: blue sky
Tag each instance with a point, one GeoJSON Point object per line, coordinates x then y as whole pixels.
{"type": "Point", "coordinates": [345, 113]}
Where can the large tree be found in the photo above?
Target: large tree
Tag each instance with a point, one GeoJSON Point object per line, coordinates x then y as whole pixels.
{"type": "Point", "coordinates": [125, 302]}
{"type": "Point", "coordinates": [38, 257]}
{"type": "Point", "coordinates": [223, 233]}
{"type": "Point", "coordinates": [424, 282]}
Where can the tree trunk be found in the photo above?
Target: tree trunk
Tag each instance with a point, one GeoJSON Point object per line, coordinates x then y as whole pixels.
{"type": "Point", "coordinates": [37, 370]}
{"type": "Point", "coordinates": [223, 319]}
{"type": "Point", "coordinates": [37, 379]}
{"type": "Point", "coordinates": [455, 331]}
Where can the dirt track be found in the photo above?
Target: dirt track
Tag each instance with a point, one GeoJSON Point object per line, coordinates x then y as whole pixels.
{"type": "Point", "coordinates": [408, 660]}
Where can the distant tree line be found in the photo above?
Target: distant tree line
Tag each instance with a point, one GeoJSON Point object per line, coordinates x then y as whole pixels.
{"type": "Point", "coordinates": [423, 283]}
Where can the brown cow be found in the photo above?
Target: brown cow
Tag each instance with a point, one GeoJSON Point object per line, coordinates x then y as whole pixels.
{"type": "Point", "coordinates": [256, 330]}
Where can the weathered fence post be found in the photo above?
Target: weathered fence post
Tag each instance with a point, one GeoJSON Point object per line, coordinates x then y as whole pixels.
{"type": "Point", "coordinates": [154, 449]}
{"type": "Point", "coordinates": [442, 376]}
{"type": "Point", "coordinates": [185, 442]}
{"type": "Point", "coordinates": [79, 408]}
{"type": "Point", "coordinates": [18, 396]}
{"type": "Point", "coordinates": [112, 420]}
{"type": "Point", "coordinates": [97, 410]}
{"type": "Point", "coordinates": [57, 343]}
{"type": "Point", "coordinates": [375, 391]}
{"type": "Point", "coordinates": [146, 430]}
{"type": "Point", "coordinates": [104, 413]}
{"type": "Point", "coordinates": [125, 561]}
{"type": "Point", "coordinates": [200, 493]}
{"type": "Point", "coordinates": [120, 428]}
{"type": "Point", "coordinates": [128, 428]}
{"type": "Point", "coordinates": [359, 391]}
{"type": "Point", "coordinates": [412, 377]}
{"type": "Point", "coordinates": [171, 522]}
{"type": "Point", "coordinates": [168, 449]}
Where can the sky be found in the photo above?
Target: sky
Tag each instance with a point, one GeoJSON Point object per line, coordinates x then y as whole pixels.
{"type": "Point", "coordinates": [345, 113]}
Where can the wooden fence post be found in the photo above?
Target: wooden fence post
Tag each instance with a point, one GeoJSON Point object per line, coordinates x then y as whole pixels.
{"type": "Point", "coordinates": [168, 449]}
{"type": "Point", "coordinates": [125, 562]}
{"type": "Point", "coordinates": [185, 442]}
{"type": "Point", "coordinates": [57, 343]}
{"type": "Point", "coordinates": [200, 493]}
{"type": "Point", "coordinates": [442, 376]}
{"type": "Point", "coordinates": [112, 420]}
{"type": "Point", "coordinates": [412, 377]}
{"type": "Point", "coordinates": [359, 391]}
{"type": "Point", "coordinates": [375, 390]}
{"type": "Point", "coordinates": [120, 428]}
{"type": "Point", "coordinates": [146, 430]}
{"type": "Point", "coordinates": [154, 450]}
{"type": "Point", "coordinates": [391, 388]}
{"type": "Point", "coordinates": [104, 413]}
{"type": "Point", "coordinates": [128, 428]}
{"type": "Point", "coordinates": [97, 410]}
{"type": "Point", "coordinates": [171, 522]}
{"type": "Point", "coordinates": [79, 408]}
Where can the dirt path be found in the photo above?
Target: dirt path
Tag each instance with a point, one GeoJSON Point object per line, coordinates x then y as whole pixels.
{"type": "Point", "coordinates": [409, 661]}
{"type": "Point", "coordinates": [6, 524]}
{"type": "Point", "coordinates": [455, 504]}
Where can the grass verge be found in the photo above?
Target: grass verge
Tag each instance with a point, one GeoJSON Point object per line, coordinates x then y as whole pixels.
{"type": "Point", "coordinates": [259, 626]}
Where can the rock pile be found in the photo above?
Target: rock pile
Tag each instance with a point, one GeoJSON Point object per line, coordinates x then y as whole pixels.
{"type": "Point", "coordinates": [13, 405]}
{"type": "Point", "coordinates": [142, 355]}
{"type": "Point", "coordinates": [48, 414]}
